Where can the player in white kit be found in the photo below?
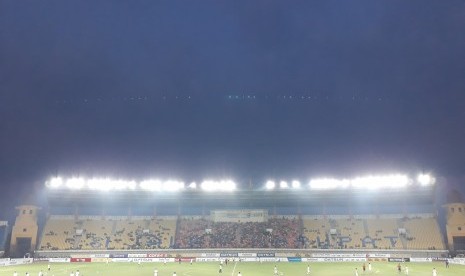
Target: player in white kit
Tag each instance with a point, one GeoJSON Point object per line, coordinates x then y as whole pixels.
{"type": "Point", "coordinates": [308, 269]}
{"type": "Point", "coordinates": [356, 272]}
{"type": "Point", "coordinates": [369, 267]}
{"type": "Point", "coordinates": [435, 273]}
{"type": "Point", "coordinates": [155, 272]}
{"type": "Point", "coordinates": [406, 270]}
{"type": "Point", "coordinates": [275, 270]}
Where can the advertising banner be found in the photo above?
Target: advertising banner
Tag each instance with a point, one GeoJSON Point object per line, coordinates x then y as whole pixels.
{"type": "Point", "coordinates": [229, 255]}
{"type": "Point", "coordinates": [143, 260]}
{"type": "Point", "coordinates": [59, 260]}
{"type": "Point", "coordinates": [309, 259]}
{"type": "Point", "coordinates": [247, 254]}
{"type": "Point", "coordinates": [137, 255]}
{"type": "Point", "coordinates": [207, 259]}
{"type": "Point", "coordinates": [338, 255]}
{"type": "Point", "coordinates": [157, 255]}
{"type": "Point", "coordinates": [336, 259]}
{"type": "Point", "coordinates": [459, 261]}
{"type": "Point", "coordinates": [420, 260]}
{"type": "Point", "coordinates": [210, 255]}
{"type": "Point", "coordinates": [20, 261]}
{"type": "Point", "coordinates": [80, 260]}
{"type": "Point", "coordinates": [270, 259]}
{"type": "Point", "coordinates": [378, 255]}
{"type": "Point", "coordinates": [100, 255]}
{"type": "Point", "coordinates": [100, 260]}
{"type": "Point", "coordinates": [121, 260]}
{"type": "Point", "coordinates": [119, 255]}
{"type": "Point", "coordinates": [439, 259]}
{"type": "Point", "coordinates": [294, 259]}
{"type": "Point", "coordinates": [399, 260]}
{"type": "Point", "coordinates": [266, 254]}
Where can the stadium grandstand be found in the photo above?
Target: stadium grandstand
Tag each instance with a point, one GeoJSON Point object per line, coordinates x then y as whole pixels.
{"type": "Point", "coordinates": [173, 219]}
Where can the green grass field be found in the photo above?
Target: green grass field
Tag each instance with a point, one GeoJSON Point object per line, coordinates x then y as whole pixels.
{"type": "Point", "coordinates": [246, 269]}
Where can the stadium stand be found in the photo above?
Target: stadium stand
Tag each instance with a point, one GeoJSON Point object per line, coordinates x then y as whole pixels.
{"type": "Point", "coordinates": [143, 233]}
{"type": "Point", "coordinates": [59, 233]}
{"type": "Point", "coordinates": [3, 236]}
{"type": "Point", "coordinates": [381, 229]}
{"type": "Point", "coordinates": [162, 231]}
{"type": "Point", "coordinates": [331, 232]}
{"type": "Point", "coordinates": [352, 228]}
{"type": "Point", "coordinates": [192, 233]}
{"type": "Point", "coordinates": [315, 232]}
{"type": "Point", "coordinates": [422, 233]}
{"type": "Point", "coordinates": [96, 232]}
{"type": "Point", "coordinates": [125, 235]}
{"type": "Point", "coordinates": [275, 233]}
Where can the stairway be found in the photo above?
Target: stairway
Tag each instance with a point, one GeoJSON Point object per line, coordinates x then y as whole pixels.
{"type": "Point", "coordinates": [77, 241]}
{"type": "Point", "coordinates": [365, 227]}
{"type": "Point", "coordinates": [400, 224]}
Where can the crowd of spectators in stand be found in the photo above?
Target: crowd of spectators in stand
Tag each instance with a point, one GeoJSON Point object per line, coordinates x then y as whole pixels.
{"type": "Point", "coordinates": [192, 233]}
{"type": "Point", "coordinates": [275, 233]}
{"type": "Point", "coordinates": [139, 239]}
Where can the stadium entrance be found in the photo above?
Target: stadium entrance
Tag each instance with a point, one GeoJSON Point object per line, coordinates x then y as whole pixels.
{"type": "Point", "coordinates": [23, 246]}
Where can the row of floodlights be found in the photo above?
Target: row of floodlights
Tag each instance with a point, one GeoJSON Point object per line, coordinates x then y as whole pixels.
{"type": "Point", "coordinates": [107, 184]}
{"type": "Point", "coordinates": [394, 181]}
{"type": "Point", "coordinates": [368, 182]}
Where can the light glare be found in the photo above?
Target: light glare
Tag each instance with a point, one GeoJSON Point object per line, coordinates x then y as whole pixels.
{"type": "Point", "coordinates": [75, 183]}
{"type": "Point", "coordinates": [270, 185]}
{"type": "Point", "coordinates": [296, 184]}
{"type": "Point", "coordinates": [425, 179]}
{"type": "Point", "coordinates": [55, 182]}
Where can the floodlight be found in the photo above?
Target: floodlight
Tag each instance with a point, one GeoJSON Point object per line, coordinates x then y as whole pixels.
{"type": "Point", "coordinates": [425, 179]}
{"type": "Point", "coordinates": [328, 183]}
{"type": "Point", "coordinates": [75, 183]}
{"type": "Point", "coordinates": [124, 184]}
{"type": "Point", "coordinates": [173, 185]}
{"type": "Point", "coordinates": [100, 184]}
{"type": "Point", "coordinates": [151, 185]}
{"type": "Point", "coordinates": [55, 182]}
{"type": "Point", "coordinates": [222, 185]}
{"type": "Point", "coordinates": [193, 185]}
{"type": "Point", "coordinates": [270, 185]}
{"type": "Point", "coordinates": [283, 185]}
{"type": "Point", "coordinates": [295, 184]}
{"type": "Point", "coordinates": [376, 182]}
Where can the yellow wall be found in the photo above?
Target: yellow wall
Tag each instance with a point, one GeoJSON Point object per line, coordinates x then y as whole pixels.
{"type": "Point", "coordinates": [455, 226]}
{"type": "Point", "coordinates": [25, 226]}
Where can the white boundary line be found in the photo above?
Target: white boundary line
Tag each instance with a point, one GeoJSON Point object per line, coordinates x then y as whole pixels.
{"type": "Point", "coordinates": [234, 268]}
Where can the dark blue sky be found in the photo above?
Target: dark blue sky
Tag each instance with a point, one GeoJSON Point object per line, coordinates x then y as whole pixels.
{"type": "Point", "coordinates": [243, 89]}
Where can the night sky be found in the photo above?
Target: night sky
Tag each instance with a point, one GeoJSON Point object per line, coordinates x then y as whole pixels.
{"type": "Point", "coordinates": [240, 89]}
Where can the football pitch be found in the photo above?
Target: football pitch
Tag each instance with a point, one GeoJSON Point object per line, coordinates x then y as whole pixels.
{"type": "Point", "coordinates": [246, 269]}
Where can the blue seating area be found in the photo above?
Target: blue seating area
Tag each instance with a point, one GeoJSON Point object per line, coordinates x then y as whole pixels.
{"type": "Point", "coordinates": [3, 235]}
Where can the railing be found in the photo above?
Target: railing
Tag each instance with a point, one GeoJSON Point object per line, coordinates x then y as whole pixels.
{"type": "Point", "coordinates": [287, 252]}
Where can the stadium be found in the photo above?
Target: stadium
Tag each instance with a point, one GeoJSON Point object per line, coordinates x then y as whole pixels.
{"type": "Point", "coordinates": [372, 224]}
